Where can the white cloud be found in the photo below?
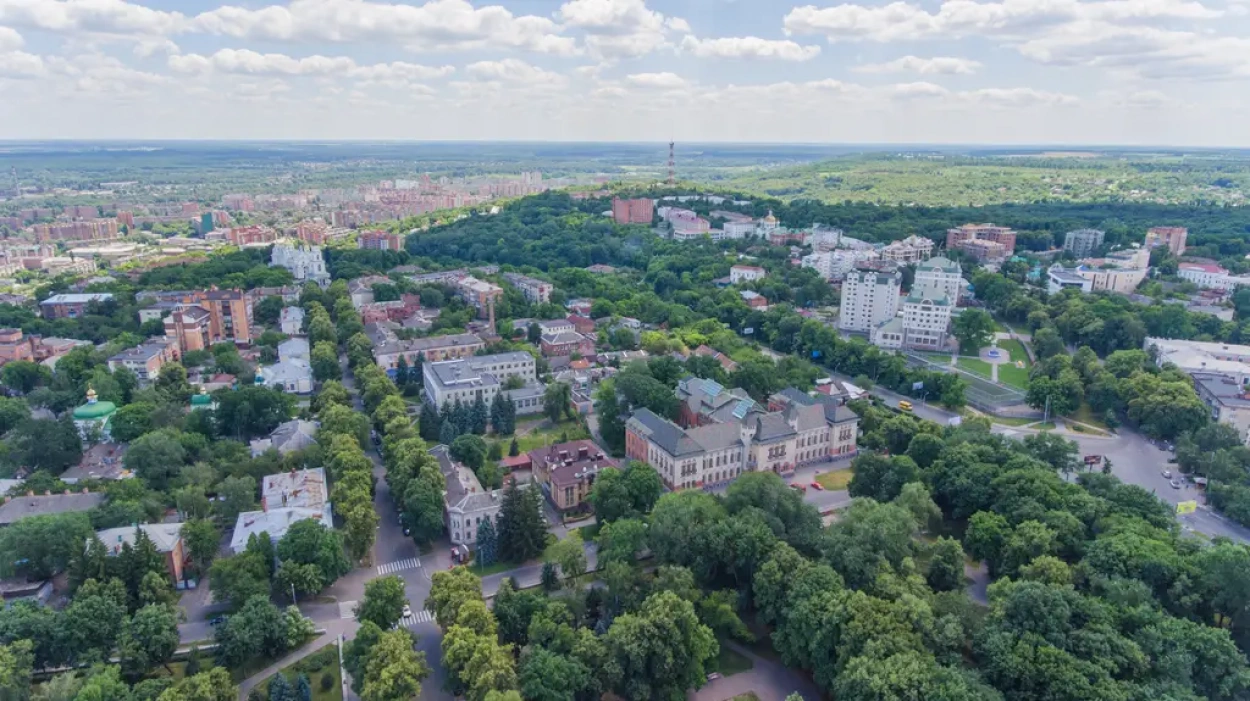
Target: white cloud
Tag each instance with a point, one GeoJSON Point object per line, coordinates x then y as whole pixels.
{"type": "Point", "coordinates": [918, 89]}
{"type": "Point", "coordinates": [1017, 97]}
{"type": "Point", "coordinates": [513, 72]}
{"type": "Point", "coordinates": [97, 74]}
{"type": "Point", "coordinates": [248, 62]}
{"type": "Point", "coordinates": [150, 46]}
{"type": "Point", "coordinates": [1147, 52]}
{"type": "Point", "coordinates": [939, 65]}
{"type": "Point", "coordinates": [439, 24]}
{"type": "Point", "coordinates": [107, 16]}
{"type": "Point", "coordinates": [957, 18]}
{"type": "Point", "coordinates": [619, 28]}
{"type": "Point", "coordinates": [748, 47]}
{"type": "Point", "coordinates": [10, 40]}
{"type": "Point", "coordinates": [19, 64]}
{"type": "Point", "coordinates": [665, 80]}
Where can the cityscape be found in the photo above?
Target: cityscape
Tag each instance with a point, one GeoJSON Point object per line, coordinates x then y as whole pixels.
{"type": "Point", "coordinates": [623, 350]}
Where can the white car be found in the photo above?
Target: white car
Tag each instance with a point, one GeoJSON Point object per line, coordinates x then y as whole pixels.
{"type": "Point", "coordinates": [407, 611]}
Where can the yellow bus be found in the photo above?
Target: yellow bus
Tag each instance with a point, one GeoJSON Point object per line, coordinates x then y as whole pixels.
{"type": "Point", "coordinates": [904, 405]}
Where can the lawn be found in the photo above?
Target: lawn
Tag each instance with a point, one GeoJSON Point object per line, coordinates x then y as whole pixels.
{"type": "Point", "coordinates": [998, 326]}
{"type": "Point", "coordinates": [1013, 376]}
{"type": "Point", "coordinates": [541, 437]}
{"type": "Point", "coordinates": [1012, 421]}
{"type": "Point", "coordinates": [975, 366]}
{"type": "Point", "coordinates": [730, 662]}
{"type": "Point", "coordinates": [318, 666]}
{"type": "Point", "coordinates": [1016, 350]}
{"type": "Point", "coordinates": [1086, 416]}
{"type": "Point", "coordinates": [835, 480]}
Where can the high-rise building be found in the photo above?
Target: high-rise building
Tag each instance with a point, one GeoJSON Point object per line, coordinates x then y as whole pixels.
{"type": "Point", "coordinates": [638, 211]}
{"type": "Point", "coordinates": [1171, 236]}
{"type": "Point", "coordinates": [869, 298]}
{"type": "Point", "coordinates": [939, 277]}
{"type": "Point", "coordinates": [379, 240]}
{"type": "Point", "coordinates": [1083, 242]}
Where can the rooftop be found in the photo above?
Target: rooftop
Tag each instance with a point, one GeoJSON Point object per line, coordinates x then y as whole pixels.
{"type": "Point", "coordinates": [568, 463]}
{"type": "Point", "coordinates": [275, 522]}
{"type": "Point", "coordinates": [1223, 390]}
{"type": "Point", "coordinates": [429, 343]}
{"type": "Point", "coordinates": [78, 298]}
{"type": "Point", "coordinates": [20, 507]}
{"type": "Point", "coordinates": [298, 488]}
{"type": "Point", "coordinates": [164, 535]}
{"type": "Point", "coordinates": [143, 352]}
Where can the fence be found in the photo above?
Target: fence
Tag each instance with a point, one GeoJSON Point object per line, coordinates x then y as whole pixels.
{"type": "Point", "coordinates": [982, 393]}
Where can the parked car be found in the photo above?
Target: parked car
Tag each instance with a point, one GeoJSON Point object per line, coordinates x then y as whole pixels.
{"type": "Point", "coordinates": [1167, 474]}
{"type": "Point", "coordinates": [218, 620]}
{"type": "Point", "coordinates": [799, 487]}
{"type": "Point", "coordinates": [1175, 484]}
{"type": "Point", "coordinates": [817, 487]}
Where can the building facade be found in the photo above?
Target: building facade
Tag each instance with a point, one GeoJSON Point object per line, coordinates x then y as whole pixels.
{"type": "Point", "coordinates": [746, 273]}
{"type": "Point", "coordinates": [378, 240]}
{"type": "Point", "coordinates": [1082, 243]}
{"type": "Point", "coordinates": [741, 436]}
{"type": "Point", "coordinates": [147, 359]}
{"type": "Point", "coordinates": [536, 291]}
{"type": "Point", "coordinates": [1173, 237]}
{"type": "Point", "coordinates": [912, 249]}
{"type": "Point", "coordinates": [567, 471]}
{"type": "Point", "coordinates": [482, 376]}
{"type": "Point", "coordinates": [636, 211]}
{"type": "Point", "coordinates": [430, 349]}
{"type": "Point", "coordinates": [305, 262]}
{"type": "Point", "coordinates": [869, 298]}
{"type": "Point", "coordinates": [955, 238]}
{"type": "Point", "coordinates": [71, 306]}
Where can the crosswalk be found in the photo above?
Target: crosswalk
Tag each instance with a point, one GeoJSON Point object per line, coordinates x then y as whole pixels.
{"type": "Point", "coordinates": [422, 616]}
{"type": "Point", "coordinates": [347, 609]}
{"type": "Point", "coordinates": [411, 563]}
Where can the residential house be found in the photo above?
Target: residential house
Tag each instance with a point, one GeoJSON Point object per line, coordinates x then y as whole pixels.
{"type": "Point", "coordinates": [287, 438]}
{"type": "Point", "coordinates": [291, 322]}
{"type": "Point", "coordinates": [17, 508]}
{"type": "Point", "coordinates": [746, 273]}
{"type": "Point", "coordinates": [465, 503]}
{"type": "Point", "coordinates": [567, 471]}
{"type": "Point", "coordinates": [567, 343]}
{"type": "Point", "coordinates": [167, 537]}
{"type": "Point", "coordinates": [581, 324]}
{"type": "Point", "coordinates": [146, 359]}
{"type": "Point", "coordinates": [535, 291]}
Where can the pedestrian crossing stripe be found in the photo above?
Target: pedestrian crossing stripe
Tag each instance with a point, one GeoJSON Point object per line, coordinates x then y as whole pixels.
{"type": "Point", "coordinates": [347, 609]}
{"type": "Point", "coordinates": [423, 616]}
{"type": "Point", "coordinates": [398, 566]}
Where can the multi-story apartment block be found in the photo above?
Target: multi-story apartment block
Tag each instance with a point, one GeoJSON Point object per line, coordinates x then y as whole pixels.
{"type": "Point", "coordinates": [251, 235]}
{"type": "Point", "coordinates": [305, 262]}
{"type": "Point", "coordinates": [984, 251]}
{"type": "Point", "coordinates": [1082, 243]}
{"type": "Point", "coordinates": [1228, 400]}
{"type": "Point", "coordinates": [536, 291]}
{"type": "Point", "coordinates": [869, 298]}
{"type": "Point", "coordinates": [637, 211]}
{"type": "Point", "coordinates": [93, 230]}
{"type": "Point", "coordinates": [834, 265]}
{"type": "Point", "coordinates": [430, 349]}
{"type": "Point", "coordinates": [746, 273]}
{"type": "Point", "coordinates": [467, 379]}
{"type": "Point", "coordinates": [480, 295]}
{"type": "Point", "coordinates": [202, 318]}
{"type": "Point", "coordinates": [957, 237]}
{"type": "Point", "coordinates": [379, 240]}
{"type": "Point", "coordinates": [940, 277]}
{"type": "Point", "coordinates": [71, 306]}
{"type": "Point", "coordinates": [912, 249]}
{"type": "Point", "coordinates": [1171, 236]}
{"type": "Point", "coordinates": [824, 238]}
{"type": "Point", "coordinates": [15, 346]}
{"type": "Point", "coordinates": [740, 436]}
{"type": "Point", "coordinates": [1059, 278]}
{"type": "Point", "coordinates": [147, 359]}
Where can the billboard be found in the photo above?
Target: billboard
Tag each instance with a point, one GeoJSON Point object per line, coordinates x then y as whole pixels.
{"type": "Point", "coordinates": [1186, 507]}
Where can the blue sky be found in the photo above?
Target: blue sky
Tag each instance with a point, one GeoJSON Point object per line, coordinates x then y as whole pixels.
{"type": "Point", "coordinates": [1167, 72]}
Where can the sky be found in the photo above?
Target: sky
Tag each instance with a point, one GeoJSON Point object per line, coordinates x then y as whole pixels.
{"type": "Point", "coordinates": [1123, 72]}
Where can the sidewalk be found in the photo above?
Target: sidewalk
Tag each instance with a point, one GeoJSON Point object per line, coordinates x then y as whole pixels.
{"type": "Point", "coordinates": [333, 630]}
{"type": "Point", "coordinates": [769, 680]}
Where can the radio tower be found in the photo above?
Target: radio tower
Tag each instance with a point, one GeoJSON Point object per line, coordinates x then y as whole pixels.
{"type": "Point", "coordinates": [671, 180]}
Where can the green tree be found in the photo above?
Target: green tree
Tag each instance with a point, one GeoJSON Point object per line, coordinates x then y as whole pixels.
{"type": "Point", "coordinates": [946, 565]}
{"type": "Point", "coordinates": [46, 445]}
{"type": "Point", "coordinates": [558, 402]}
{"type": "Point", "coordinates": [470, 450]}
{"type": "Point", "coordinates": [570, 554]}
{"type": "Point", "coordinates": [156, 457]}
{"type": "Point", "coordinates": [131, 421]}
{"type": "Point", "coordinates": [662, 650]}
{"type": "Point", "coordinates": [383, 602]}
{"type": "Point", "coordinates": [41, 546]}
{"type": "Point", "coordinates": [325, 362]}
{"type": "Point", "coordinates": [149, 639]}
{"type": "Point", "coordinates": [487, 542]}
{"type": "Point", "coordinates": [394, 669]}
{"type": "Point", "coordinates": [171, 382]}
{"type": "Point", "coordinates": [309, 542]}
{"type": "Point", "coordinates": [547, 676]}
{"type": "Point", "coordinates": [23, 376]}
{"type": "Point", "coordinates": [203, 541]}
{"type": "Point", "coordinates": [449, 590]}
{"type": "Point", "coordinates": [16, 667]}
{"type": "Point", "coordinates": [236, 495]}
{"type": "Point", "coordinates": [213, 685]}
{"type": "Point", "coordinates": [621, 540]}
{"type": "Point", "coordinates": [973, 328]}
{"type": "Point", "coordinates": [521, 525]}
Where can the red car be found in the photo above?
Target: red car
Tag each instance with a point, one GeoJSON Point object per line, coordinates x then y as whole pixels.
{"type": "Point", "coordinates": [800, 487]}
{"type": "Point", "coordinates": [817, 487]}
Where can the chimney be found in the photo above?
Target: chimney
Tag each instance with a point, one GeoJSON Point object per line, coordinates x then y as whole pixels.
{"type": "Point", "coordinates": [582, 452]}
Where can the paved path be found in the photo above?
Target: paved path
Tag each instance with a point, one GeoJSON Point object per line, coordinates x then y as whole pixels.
{"type": "Point", "coordinates": [327, 638]}
{"type": "Point", "coordinates": [769, 680]}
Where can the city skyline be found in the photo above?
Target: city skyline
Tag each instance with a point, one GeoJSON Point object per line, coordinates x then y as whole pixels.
{"type": "Point", "coordinates": [1079, 72]}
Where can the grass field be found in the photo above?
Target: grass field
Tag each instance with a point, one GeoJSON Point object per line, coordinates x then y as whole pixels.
{"type": "Point", "coordinates": [1013, 376]}
{"type": "Point", "coordinates": [975, 366]}
{"type": "Point", "coordinates": [730, 662]}
{"type": "Point", "coordinates": [836, 480]}
{"type": "Point", "coordinates": [317, 666]}
{"type": "Point", "coordinates": [1086, 416]}
{"type": "Point", "coordinates": [1016, 350]}
{"type": "Point", "coordinates": [547, 435]}
{"type": "Point", "coordinates": [1012, 421]}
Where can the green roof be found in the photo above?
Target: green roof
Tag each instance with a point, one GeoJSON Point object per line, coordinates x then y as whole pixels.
{"type": "Point", "coordinates": [99, 410]}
